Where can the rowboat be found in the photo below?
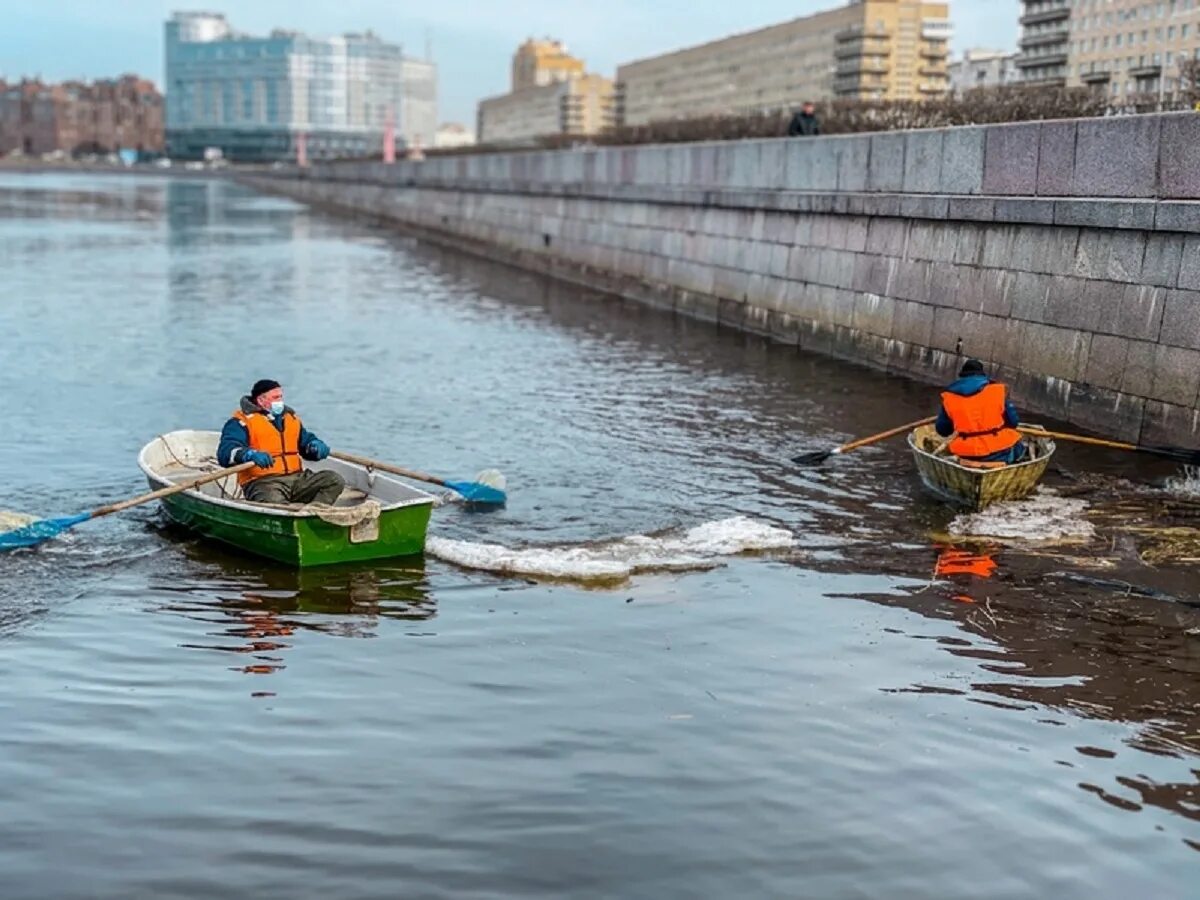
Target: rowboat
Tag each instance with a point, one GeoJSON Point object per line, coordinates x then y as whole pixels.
{"type": "Point", "coordinates": [977, 486]}
{"type": "Point", "coordinates": [377, 516]}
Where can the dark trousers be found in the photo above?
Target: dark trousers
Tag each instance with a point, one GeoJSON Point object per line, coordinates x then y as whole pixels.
{"type": "Point", "coordinates": [302, 487]}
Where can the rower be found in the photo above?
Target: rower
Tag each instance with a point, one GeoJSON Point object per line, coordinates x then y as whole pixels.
{"type": "Point", "coordinates": [265, 431]}
{"type": "Point", "coordinates": [977, 411]}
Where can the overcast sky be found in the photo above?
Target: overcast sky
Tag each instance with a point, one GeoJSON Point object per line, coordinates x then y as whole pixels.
{"type": "Point", "coordinates": [472, 40]}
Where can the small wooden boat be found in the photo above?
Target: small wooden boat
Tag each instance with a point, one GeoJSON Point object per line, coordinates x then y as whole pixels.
{"type": "Point", "coordinates": [977, 486]}
{"type": "Point", "coordinates": [377, 516]}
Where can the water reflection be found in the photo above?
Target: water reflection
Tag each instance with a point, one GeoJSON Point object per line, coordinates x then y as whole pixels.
{"type": "Point", "coordinates": [258, 608]}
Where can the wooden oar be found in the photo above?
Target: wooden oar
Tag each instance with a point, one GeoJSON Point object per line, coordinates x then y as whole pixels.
{"type": "Point", "coordinates": [816, 457]}
{"type": "Point", "coordinates": [475, 492]}
{"type": "Point", "coordinates": [45, 529]}
{"type": "Point", "coordinates": [1178, 454]}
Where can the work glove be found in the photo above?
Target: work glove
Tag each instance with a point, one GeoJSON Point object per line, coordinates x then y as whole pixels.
{"type": "Point", "coordinates": [318, 448]}
{"type": "Point", "coordinates": [260, 459]}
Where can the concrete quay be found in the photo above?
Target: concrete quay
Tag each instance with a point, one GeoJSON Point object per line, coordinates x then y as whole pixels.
{"type": "Point", "coordinates": [1062, 253]}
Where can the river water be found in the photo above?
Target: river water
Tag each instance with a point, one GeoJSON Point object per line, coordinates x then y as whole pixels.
{"type": "Point", "coordinates": [862, 704]}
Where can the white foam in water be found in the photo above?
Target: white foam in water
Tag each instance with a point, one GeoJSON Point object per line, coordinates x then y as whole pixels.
{"type": "Point", "coordinates": [1187, 484]}
{"type": "Point", "coordinates": [696, 548]}
{"type": "Point", "coordinates": [1044, 516]}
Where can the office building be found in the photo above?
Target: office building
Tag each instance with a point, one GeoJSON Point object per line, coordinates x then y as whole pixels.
{"type": "Point", "coordinates": [260, 98]}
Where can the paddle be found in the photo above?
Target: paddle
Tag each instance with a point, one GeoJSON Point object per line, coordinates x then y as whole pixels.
{"type": "Point", "coordinates": [1178, 454]}
{"type": "Point", "coordinates": [475, 492]}
{"type": "Point", "coordinates": [816, 457]}
{"type": "Point", "coordinates": [45, 529]}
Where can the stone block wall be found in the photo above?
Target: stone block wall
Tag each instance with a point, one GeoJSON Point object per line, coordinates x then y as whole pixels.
{"type": "Point", "coordinates": [1062, 253]}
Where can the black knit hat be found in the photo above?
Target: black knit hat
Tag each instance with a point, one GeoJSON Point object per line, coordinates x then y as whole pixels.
{"type": "Point", "coordinates": [971, 367]}
{"type": "Point", "coordinates": [262, 386]}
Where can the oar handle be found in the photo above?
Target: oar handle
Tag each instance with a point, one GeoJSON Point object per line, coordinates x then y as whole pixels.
{"type": "Point", "coordinates": [387, 467]}
{"type": "Point", "coordinates": [168, 491]}
{"type": "Point", "coordinates": [1078, 438]}
{"type": "Point", "coordinates": [884, 435]}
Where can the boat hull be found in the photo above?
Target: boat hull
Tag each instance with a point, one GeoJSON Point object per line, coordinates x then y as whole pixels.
{"type": "Point", "coordinates": [977, 489]}
{"type": "Point", "coordinates": [300, 542]}
{"type": "Point", "coordinates": [297, 536]}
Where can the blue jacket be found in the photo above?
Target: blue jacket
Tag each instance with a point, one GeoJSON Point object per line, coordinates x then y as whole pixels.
{"type": "Point", "coordinates": [969, 387]}
{"type": "Point", "coordinates": [235, 439]}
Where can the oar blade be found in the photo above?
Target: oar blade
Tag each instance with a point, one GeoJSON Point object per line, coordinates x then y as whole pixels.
{"type": "Point", "coordinates": [812, 458]}
{"type": "Point", "coordinates": [478, 494]}
{"type": "Point", "coordinates": [38, 532]}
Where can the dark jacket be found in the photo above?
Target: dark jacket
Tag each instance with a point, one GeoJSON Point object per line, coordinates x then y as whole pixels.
{"type": "Point", "coordinates": [804, 125]}
{"type": "Point", "coordinates": [969, 387]}
{"type": "Point", "coordinates": [235, 439]}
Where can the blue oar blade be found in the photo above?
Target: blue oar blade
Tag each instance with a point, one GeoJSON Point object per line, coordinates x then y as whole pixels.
{"type": "Point", "coordinates": [38, 532]}
{"type": "Point", "coordinates": [476, 493]}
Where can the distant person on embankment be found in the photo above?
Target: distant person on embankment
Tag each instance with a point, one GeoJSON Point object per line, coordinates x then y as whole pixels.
{"type": "Point", "coordinates": [805, 123]}
{"type": "Point", "coordinates": [269, 434]}
{"type": "Point", "coordinates": [977, 411]}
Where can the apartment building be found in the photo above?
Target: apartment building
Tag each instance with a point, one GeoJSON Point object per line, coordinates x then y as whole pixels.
{"type": "Point", "coordinates": [551, 94]}
{"type": "Point", "coordinates": [865, 49]}
{"type": "Point", "coordinates": [1125, 47]}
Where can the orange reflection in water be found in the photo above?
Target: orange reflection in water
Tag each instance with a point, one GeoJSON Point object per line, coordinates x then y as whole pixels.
{"type": "Point", "coordinates": [953, 561]}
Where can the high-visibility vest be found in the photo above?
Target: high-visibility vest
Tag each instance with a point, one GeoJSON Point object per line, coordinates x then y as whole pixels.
{"type": "Point", "coordinates": [979, 422]}
{"type": "Point", "coordinates": [284, 446]}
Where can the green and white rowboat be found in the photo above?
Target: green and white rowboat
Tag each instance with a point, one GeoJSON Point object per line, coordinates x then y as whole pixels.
{"type": "Point", "coordinates": [377, 517]}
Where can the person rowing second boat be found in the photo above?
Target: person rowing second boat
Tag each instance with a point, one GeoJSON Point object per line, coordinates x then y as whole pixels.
{"type": "Point", "coordinates": [266, 432]}
{"type": "Point", "coordinates": [977, 411]}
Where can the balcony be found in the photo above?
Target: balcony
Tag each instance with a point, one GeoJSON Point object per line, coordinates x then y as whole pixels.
{"type": "Point", "coordinates": [855, 32]}
{"type": "Point", "coordinates": [1045, 38]}
{"type": "Point", "coordinates": [1100, 76]}
{"type": "Point", "coordinates": [877, 65]}
{"type": "Point", "coordinates": [935, 51]}
{"type": "Point", "coordinates": [1150, 70]}
{"type": "Point", "coordinates": [860, 48]}
{"type": "Point", "coordinates": [1024, 61]}
{"type": "Point", "coordinates": [1052, 14]}
{"type": "Point", "coordinates": [933, 87]}
{"type": "Point", "coordinates": [934, 71]}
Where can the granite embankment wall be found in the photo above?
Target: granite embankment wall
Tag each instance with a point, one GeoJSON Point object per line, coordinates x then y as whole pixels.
{"type": "Point", "coordinates": [1065, 254]}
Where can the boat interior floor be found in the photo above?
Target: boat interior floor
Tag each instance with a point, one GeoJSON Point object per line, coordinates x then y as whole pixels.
{"type": "Point", "coordinates": [229, 489]}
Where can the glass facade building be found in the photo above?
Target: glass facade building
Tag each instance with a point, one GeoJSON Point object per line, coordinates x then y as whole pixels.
{"type": "Point", "coordinates": [254, 97]}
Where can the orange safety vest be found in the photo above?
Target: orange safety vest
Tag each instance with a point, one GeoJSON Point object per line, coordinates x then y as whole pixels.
{"type": "Point", "coordinates": [283, 446]}
{"type": "Point", "coordinates": [979, 422]}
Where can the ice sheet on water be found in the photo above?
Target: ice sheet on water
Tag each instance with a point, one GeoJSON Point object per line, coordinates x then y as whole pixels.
{"type": "Point", "coordinates": [1044, 516]}
{"type": "Point", "coordinates": [700, 547]}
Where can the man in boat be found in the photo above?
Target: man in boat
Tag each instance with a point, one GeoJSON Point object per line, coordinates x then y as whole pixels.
{"type": "Point", "coordinates": [977, 411]}
{"type": "Point", "coordinates": [269, 434]}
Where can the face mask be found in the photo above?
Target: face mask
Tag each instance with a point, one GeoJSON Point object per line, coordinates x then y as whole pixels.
{"type": "Point", "coordinates": [277, 408]}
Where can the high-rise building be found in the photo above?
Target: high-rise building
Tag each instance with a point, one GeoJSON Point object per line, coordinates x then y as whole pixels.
{"type": "Point", "coordinates": [1045, 27]}
{"type": "Point", "coordinates": [1124, 47]}
{"type": "Point", "coordinates": [255, 97]}
{"type": "Point", "coordinates": [538, 63]}
{"type": "Point", "coordinates": [551, 94]}
{"type": "Point", "coordinates": [982, 68]}
{"type": "Point", "coordinates": [867, 49]}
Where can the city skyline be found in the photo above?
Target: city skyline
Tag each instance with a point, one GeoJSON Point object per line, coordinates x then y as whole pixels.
{"type": "Point", "coordinates": [471, 43]}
